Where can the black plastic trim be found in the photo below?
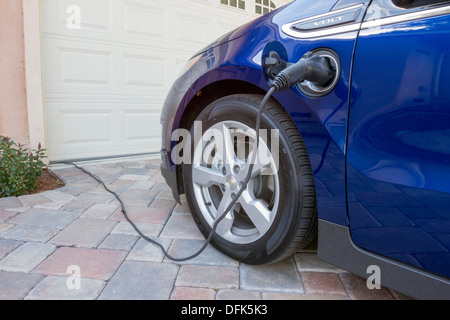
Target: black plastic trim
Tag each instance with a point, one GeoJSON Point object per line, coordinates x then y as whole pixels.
{"type": "Point", "coordinates": [169, 176]}
{"type": "Point", "coordinates": [336, 247]}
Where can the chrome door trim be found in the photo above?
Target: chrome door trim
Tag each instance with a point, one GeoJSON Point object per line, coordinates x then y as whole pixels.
{"type": "Point", "coordinates": [322, 32]}
{"type": "Point", "coordinates": [429, 13]}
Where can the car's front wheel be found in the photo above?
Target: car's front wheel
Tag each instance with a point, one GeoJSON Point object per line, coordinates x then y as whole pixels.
{"type": "Point", "coordinates": [276, 213]}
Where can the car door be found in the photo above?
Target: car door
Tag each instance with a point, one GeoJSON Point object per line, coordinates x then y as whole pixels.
{"type": "Point", "coordinates": [398, 151]}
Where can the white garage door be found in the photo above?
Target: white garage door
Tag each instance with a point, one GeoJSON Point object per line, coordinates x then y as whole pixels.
{"type": "Point", "coordinates": [106, 74]}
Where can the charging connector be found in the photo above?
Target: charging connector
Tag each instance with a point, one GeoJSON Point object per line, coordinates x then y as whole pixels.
{"type": "Point", "coordinates": [312, 68]}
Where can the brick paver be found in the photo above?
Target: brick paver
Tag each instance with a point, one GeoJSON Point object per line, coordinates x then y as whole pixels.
{"type": "Point", "coordinates": [92, 263]}
{"type": "Point", "coordinates": [84, 233]}
{"type": "Point", "coordinates": [278, 277]}
{"type": "Point", "coordinates": [57, 288]}
{"type": "Point", "coordinates": [16, 285]}
{"type": "Point", "coordinates": [208, 277]}
{"type": "Point", "coordinates": [26, 257]}
{"type": "Point", "coordinates": [45, 218]}
{"type": "Point", "coordinates": [140, 280]}
{"type": "Point", "coordinates": [82, 225]}
{"type": "Point", "coordinates": [186, 293]}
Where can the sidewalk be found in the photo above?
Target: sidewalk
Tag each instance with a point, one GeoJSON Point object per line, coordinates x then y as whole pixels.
{"type": "Point", "coordinates": [47, 239]}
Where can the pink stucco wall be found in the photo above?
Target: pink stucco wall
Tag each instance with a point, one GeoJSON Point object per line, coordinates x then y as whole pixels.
{"type": "Point", "coordinates": [13, 101]}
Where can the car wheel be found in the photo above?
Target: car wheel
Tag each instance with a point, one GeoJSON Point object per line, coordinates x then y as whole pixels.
{"type": "Point", "coordinates": [276, 214]}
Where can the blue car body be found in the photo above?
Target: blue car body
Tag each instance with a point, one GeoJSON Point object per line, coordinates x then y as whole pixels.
{"type": "Point", "coordinates": [378, 143]}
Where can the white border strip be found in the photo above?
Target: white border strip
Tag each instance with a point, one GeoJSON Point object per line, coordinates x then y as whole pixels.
{"type": "Point", "coordinates": [33, 73]}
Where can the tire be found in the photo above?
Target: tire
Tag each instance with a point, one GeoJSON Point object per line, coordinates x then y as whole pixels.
{"type": "Point", "coordinates": [276, 215]}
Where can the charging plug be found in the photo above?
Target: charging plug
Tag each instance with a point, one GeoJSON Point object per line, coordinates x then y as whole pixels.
{"type": "Point", "coordinates": [313, 68]}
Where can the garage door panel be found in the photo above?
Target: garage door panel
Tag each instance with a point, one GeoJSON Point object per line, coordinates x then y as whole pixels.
{"type": "Point", "coordinates": [105, 82]}
{"type": "Point", "coordinates": [145, 21]}
{"type": "Point", "coordinates": [85, 67]}
{"type": "Point", "coordinates": [90, 130]}
{"type": "Point", "coordinates": [144, 71]}
{"type": "Point", "coordinates": [86, 127]}
{"type": "Point", "coordinates": [71, 66]}
{"type": "Point", "coordinates": [113, 69]}
{"type": "Point", "coordinates": [80, 127]}
{"type": "Point", "coordinates": [96, 15]}
{"type": "Point", "coordinates": [141, 126]}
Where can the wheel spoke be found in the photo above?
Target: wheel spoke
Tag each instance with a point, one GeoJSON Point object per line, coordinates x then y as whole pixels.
{"type": "Point", "coordinates": [225, 145]}
{"type": "Point", "coordinates": [257, 211]}
{"type": "Point", "coordinates": [207, 177]}
{"type": "Point", "coordinates": [226, 224]}
{"type": "Point", "coordinates": [259, 165]}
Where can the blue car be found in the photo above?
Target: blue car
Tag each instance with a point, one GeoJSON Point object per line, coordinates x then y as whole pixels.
{"type": "Point", "coordinates": [351, 147]}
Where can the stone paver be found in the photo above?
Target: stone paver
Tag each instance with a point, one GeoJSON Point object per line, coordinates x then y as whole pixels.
{"type": "Point", "coordinates": [278, 277]}
{"type": "Point", "coordinates": [8, 246]}
{"type": "Point", "coordinates": [143, 214]}
{"type": "Point", "coordinates": [208, 277]}
{"type": "Point", "coordinates": [45, 218]}
{"type": "Point", "coordinates": [92, 263]}
{"type": "Point", "coordinates": [356, 286]}
{"type": "Point", "coordinates": [85, 233]}
{"type": "Point", "coordinates": [26, 257]}
{"type": "Point", "coordinates": [186, 293]}
{"type": "Point", "coordinates": [183, 248]}
{"type": "Point", "coordinates": [322, 283]}
{"type": "Point", "coordinates": [43, 237]}
{"type": "Point", "coordinates": [238, 295]}
{"type": "Point", "coordinates": [6, 215]}
{"type": "Point", "coordinates": [140, 280]}
{"type": "Point", "coordinates": [101, 210]}
{"type": "Point", "coordinates": [119, 242]}
{"type": "Point", "coordinates": [23, 232]}
{"type": "Point", "coordinates": [10, 203]}
{"type": "Point", "coordinates": [148, 229]}
{"type": "Point", "coordinates": [146, 251]}
{"type": "Point", "coordinates": [16, 285]}
{"type": "Point", "coordinates": [5, 226]}
{"type": "Point", "coordinates": [183, 227]}
{"type": "Point", "coordinates": [309, 262]}
{"type": "Point", "coordinates": [60, 288]}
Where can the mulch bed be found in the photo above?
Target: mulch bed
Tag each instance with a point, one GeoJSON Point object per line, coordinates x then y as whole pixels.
{"type": "Point", "coordinates": [47, 182]}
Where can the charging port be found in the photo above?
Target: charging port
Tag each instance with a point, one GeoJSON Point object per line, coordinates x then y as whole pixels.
{"type": "Point", "coordinates": [312, 89]}
{"type": "Point", "coordinates": [274, 65]}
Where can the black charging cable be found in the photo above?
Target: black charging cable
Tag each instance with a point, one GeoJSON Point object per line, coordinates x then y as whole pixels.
{"type": "Point", "coordinates": [218, 219]}
{"type": "Point", "coordinates": [312, 68]}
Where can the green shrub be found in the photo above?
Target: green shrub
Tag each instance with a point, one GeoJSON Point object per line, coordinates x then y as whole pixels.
{"type": "Point", "coordinates": [20, 168]}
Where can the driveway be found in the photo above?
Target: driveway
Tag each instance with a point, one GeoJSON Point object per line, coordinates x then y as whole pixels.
{"type": "Point", "coordinates": [74, 243]}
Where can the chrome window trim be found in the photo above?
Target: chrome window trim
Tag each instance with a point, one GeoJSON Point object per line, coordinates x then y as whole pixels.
{"type": "Point", "coordinates": [429, 13]}
{"type": "Point", "coordinates": [287, 28]}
